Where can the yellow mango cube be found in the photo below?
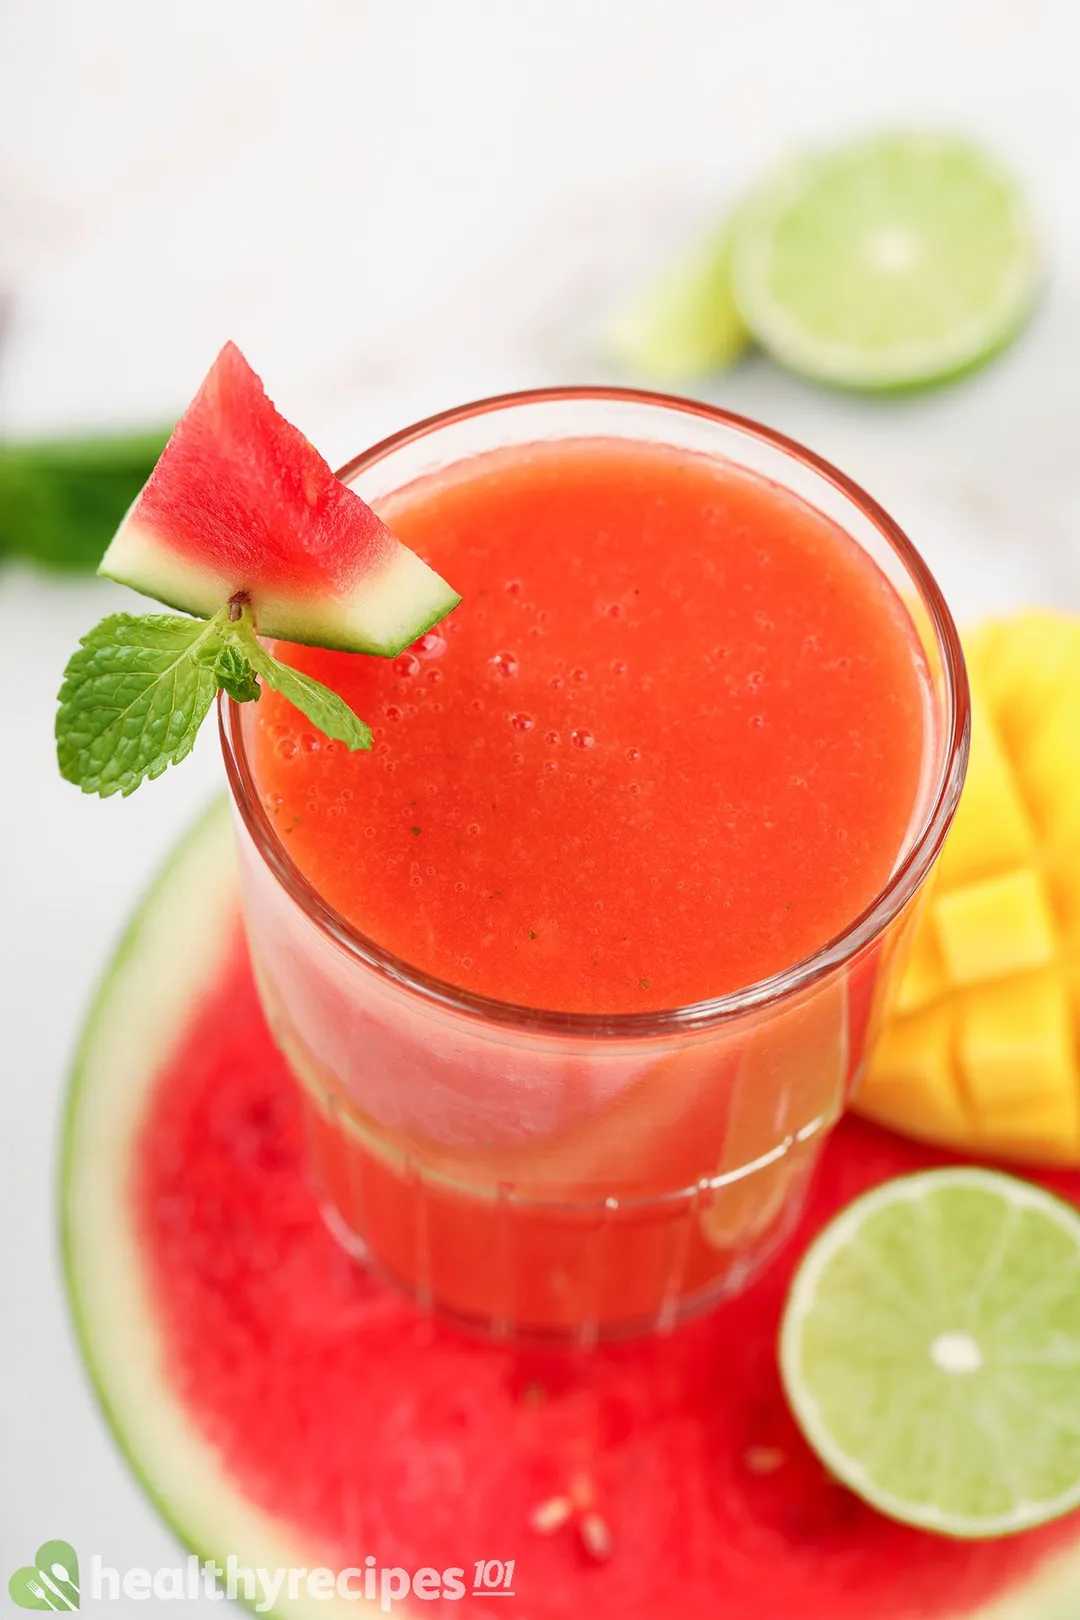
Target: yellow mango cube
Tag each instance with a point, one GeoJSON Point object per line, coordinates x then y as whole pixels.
{"type": "Point", "coordinates": [925, 979]}
{"type": "Point", "coordinates": [1000, 926]}
{"type": "Point", "coordinates": [1044, 1131]}
{"type": "Point", "coordinates": [1037, 655]}
{"type": "Point", "coordinates": [1048, 762]}
{"type": "Point", "coordinates": [911, 1084]}
{"type": "Point", "coordinates": [983, 648]}
{"type": "Point", "coordinates": [1062, 869]}
{"type": "Point", "coordinates": [1071, 975]}
{"type": "Point", "coordinates": [992, 831]}
{"type": "Point", "coordinates": [1014, 1045]}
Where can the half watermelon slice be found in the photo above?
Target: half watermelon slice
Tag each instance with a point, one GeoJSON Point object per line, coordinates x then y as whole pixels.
{"type": "Point", "coordinates": [242, 504]}
{"type": "Point", "coordinates": [282, 1406]}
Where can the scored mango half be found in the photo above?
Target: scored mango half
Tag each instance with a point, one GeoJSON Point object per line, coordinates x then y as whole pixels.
{"type": "Point", "coordinates": [982, 1050]}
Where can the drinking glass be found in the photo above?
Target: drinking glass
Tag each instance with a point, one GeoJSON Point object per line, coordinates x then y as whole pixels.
{"type": "Point", "coordinates": [640, 1166]}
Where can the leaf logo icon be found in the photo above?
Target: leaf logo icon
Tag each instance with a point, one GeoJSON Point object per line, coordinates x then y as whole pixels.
{"type": "Point", "coordinates": [50, 1582]}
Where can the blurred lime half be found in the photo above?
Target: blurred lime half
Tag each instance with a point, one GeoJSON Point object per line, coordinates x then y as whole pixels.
{"type": "Point", "coordinates": [893, 262]}
{"type": "Point", "coordinates": [684, 323]}
{"type": "Point", "coordinates": [930, 1350]}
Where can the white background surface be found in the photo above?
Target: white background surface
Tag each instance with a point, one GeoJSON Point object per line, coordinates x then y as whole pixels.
{"type": "Point", "coordinates": [394, 207]}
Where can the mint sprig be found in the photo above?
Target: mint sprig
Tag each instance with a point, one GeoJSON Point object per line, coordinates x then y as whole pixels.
{"type": "Point", "coordinates": [139, 688]}
{"type": "Point", "coordinates": [328, 712]}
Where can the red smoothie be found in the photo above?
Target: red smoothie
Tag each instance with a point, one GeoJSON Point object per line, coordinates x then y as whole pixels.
{"type": "Point", "coordinates": [671, 743]}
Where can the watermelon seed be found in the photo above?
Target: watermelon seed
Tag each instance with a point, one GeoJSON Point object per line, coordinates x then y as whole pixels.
{"type": "Point", "coordinates": [596, 1537]}
{"type": "Point", "coordinates": [549, 1516]}
{"type": "Point", "coordinates": [763, 1459]}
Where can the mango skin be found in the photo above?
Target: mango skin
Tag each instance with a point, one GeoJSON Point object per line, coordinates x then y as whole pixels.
{"type": "Point", "coordinates": [981, 1052]}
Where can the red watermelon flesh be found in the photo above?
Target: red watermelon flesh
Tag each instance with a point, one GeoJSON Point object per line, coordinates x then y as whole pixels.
{"type": "Point", "coordinates": [345, 1413]}
{"type": "Point", "coordinates": [242, 502]}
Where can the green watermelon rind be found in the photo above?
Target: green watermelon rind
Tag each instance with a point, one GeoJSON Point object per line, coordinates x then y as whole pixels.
{"type": "Point", "coordinates": [389, 610]}
{"type": "Point", "coordinates": [186, 918]}
{"type": "Point", "coordinates": [186, 921]}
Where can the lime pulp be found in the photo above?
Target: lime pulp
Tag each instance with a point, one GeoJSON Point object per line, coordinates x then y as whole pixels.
{"type": "Point", "coordinates": [892, 262]}
{"type": "Point", "coordinates": [930, 1351]}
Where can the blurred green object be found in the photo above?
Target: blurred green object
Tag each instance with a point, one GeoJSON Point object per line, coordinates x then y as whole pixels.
{"type": "Point", "coordinates": [685, 323]}
{"type": "Point", "coordinates": [61, 500]}
{"type": "Point", "coordinates": [890, 263]}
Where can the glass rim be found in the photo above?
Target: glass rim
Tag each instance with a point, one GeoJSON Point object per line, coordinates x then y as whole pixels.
{"type": "Point", "coordinates": [868, 925]}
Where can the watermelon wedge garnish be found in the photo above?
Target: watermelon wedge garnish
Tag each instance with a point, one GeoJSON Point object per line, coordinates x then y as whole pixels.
{"type": "Point", "coordinates": [241, 503]}
{"type": "Point", "coordinates": [243, 526]}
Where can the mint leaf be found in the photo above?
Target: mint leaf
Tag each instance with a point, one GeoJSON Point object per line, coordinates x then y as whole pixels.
{"type": "Point", "coordinates": [330, 713]}
{"type": "Point", "coordinates": [133, 699]}
{"type": "Point", "coordinates": [138, 689]}
{"type": "Point", "coordinates": [234, 674]}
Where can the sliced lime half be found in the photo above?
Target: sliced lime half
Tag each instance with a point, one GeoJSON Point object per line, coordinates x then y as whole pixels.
{"type": "Point", "coordinates": [930, 1350]}
{"type": "Point", "coordinates": [893, 262]}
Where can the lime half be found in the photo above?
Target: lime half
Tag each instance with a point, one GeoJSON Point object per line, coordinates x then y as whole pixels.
{"type": "Point", "coordinates": [930, 1350]}
{"type": "Point", "coordinates": [684, 323]}
{"type": "Point", "coordinates": [893, 262]}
